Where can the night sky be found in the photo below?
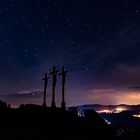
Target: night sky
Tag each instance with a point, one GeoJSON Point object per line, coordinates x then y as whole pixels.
{"type": "Point", "coordinates": [98, 41]}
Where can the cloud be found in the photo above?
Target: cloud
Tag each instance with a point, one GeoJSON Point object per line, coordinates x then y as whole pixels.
{"type": "Point", "coordinates": [135, 88]}
{"type": "Point", "coordinates": [114, 96]}
{"type": "Point", "coordinates": [24, 97]}
{"type": "Point", "coordinates": [26, 94]}
{"type": "Point", "coordinates": [121, 76]}
{"type": "Point", "coordinates": [118, 86]}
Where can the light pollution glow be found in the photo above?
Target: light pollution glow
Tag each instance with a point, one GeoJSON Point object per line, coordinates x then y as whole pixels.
{"type": "Point", "coordinates": [115, 96]}
{"type": "Point", "coordinates": [98, 96]}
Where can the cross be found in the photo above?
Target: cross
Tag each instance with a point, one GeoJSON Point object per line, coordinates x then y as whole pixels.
{"type": "Point", "coordinates": [63, 74]}
{"type": "Point", "coordinates": [54, 74]}
{"type": "Point", "coordinates": [45, 88]}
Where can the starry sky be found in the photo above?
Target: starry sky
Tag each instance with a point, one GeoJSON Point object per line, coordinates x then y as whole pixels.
{"type": "Point", "coordinates": [97, 41]}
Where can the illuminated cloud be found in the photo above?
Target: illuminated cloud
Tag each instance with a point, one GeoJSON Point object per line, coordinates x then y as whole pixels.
{"type": "Point", "coordinates": [114, 96]}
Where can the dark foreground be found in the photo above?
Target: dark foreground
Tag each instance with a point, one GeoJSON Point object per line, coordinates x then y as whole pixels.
{"type": "Point", "coordinates": [41, 123]}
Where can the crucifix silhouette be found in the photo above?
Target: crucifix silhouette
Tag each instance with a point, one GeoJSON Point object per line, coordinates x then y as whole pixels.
{"type": "Point", "coordinates": [63, 74]}
{"type": "Point", "coordinates": [45, 88]}
{"type": "Point", "coordinates": [54, 80]}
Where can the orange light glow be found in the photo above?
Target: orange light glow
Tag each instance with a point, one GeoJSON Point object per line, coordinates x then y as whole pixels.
{"type": "Point", "coordinates": [105, 111]}
{"type": "Point", "coordinates": [119, 109]}
{"type": "Point", "coordinates": [136, 115]}
{"type": "Point", "coordinates": [114, 96]}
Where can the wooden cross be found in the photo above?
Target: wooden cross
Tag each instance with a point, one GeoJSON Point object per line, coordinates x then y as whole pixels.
{"type": "Point", "coordinates": [45, 88]}
{"type": "Point", "coordinates": [54, 74]}
{"type": "Point", "coordinates": [63, 74]}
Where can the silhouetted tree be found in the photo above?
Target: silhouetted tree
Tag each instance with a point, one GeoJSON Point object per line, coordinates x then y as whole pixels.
{"type": "Point", "coordinates": [4, 105]}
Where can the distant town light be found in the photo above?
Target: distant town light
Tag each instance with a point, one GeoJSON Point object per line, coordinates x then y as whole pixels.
{"type": "Point", "coordinates": [136, 115]}
{"type": "Point", "coordinates": [119, 109]}
{"type": "Point", "coordinates": [104, 111]}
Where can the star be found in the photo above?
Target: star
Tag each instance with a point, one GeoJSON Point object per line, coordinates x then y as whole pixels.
{"type": "Point", "coordinates": [26, 50]}
{"type": "Point", "coordinates": [137, 11]}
